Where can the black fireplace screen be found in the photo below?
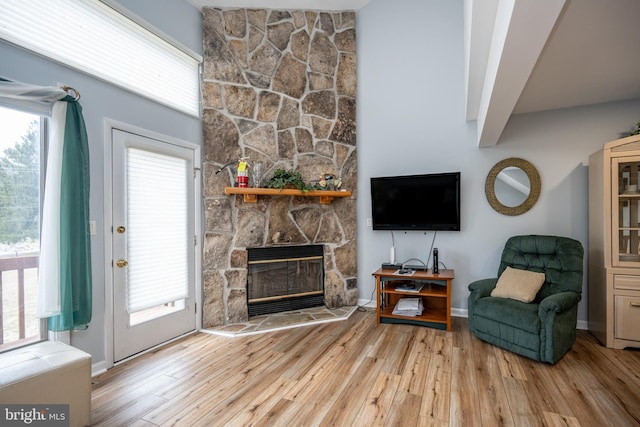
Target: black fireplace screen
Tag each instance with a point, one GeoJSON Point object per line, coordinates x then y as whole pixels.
{"type": "Point", "coordinates": [284, 278]}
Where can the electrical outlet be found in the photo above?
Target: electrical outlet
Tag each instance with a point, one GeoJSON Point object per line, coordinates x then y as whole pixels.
{"type": "Point", "coordinates": [369, 222]}
{"type": "Point", "coordinates": [92, 228]}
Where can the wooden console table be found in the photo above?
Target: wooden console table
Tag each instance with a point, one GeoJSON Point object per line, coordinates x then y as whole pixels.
{"type": "Point", "coordinates": [435, 295]}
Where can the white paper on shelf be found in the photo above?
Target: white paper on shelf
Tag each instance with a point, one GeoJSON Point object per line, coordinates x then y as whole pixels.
{"type": "Point", "coordinates": [409, 307]}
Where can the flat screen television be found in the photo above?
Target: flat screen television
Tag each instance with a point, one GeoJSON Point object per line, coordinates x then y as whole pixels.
{"type": "Point", "coordinates": [416, 202]}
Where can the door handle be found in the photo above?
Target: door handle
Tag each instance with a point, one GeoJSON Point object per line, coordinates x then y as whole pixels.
{"type": "Point", "coordinates": [122, 263]}
{"type": "Point", "coordinates": [121, 229]}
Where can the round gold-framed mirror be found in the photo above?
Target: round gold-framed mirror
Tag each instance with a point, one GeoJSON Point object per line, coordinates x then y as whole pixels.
{"type": "Point", "coordinates": [518, 177]}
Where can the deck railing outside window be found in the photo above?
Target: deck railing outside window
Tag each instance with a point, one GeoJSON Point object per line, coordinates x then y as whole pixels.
{"type": "Point", "coordinates": [18, 288]}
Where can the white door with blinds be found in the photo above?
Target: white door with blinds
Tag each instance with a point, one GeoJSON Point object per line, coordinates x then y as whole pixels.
{"type": "Point", "coordinates": [153, 242]}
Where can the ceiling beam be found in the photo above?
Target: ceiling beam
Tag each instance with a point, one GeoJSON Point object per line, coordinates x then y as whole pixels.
{"type": "Point", "coordinates": [520, 31]}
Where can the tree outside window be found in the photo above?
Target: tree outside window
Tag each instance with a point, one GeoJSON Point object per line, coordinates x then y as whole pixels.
{"type": "Point", "coordinates": [20, 189]}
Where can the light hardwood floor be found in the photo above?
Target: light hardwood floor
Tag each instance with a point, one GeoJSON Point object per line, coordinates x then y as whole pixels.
{"type": "Point", "coordinates": [358, 373]}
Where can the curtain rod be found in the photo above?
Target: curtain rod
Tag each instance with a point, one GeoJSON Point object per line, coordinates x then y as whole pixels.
{"type": "Point", "coordinates": [76, 93]}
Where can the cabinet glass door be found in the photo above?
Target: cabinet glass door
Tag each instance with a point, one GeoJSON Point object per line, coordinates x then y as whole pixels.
{"type": "Point", "coordinates": [626, 220]}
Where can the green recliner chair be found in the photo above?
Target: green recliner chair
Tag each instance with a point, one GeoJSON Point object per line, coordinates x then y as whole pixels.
{"type": "Point", "coordinates": [545, 328]}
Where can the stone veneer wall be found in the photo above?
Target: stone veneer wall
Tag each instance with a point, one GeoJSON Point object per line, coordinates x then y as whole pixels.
{"type": "Point", "coordinates": [279, 87]}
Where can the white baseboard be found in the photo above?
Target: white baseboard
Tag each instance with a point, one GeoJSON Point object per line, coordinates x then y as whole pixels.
{"type": "Point", "coordinates": [98, 368]}
{"type": "Point", "coordinates": [583, 324]}
{"type": "Point", "coordinates": [459, 312]}
{"type": "Point", "coordinates": [366, 303]}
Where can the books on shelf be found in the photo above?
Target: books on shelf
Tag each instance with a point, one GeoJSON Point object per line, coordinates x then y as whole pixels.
{"type": "Point", "coordinates": [409, 307]}
{"type": "Point", "coordinates": [410, 287]}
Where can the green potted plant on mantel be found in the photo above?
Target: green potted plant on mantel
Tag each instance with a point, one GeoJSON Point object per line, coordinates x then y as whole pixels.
{"type": "Point", "coordinates": [636, 131]}
{"type": "Point", "coordinates": [288, 179]}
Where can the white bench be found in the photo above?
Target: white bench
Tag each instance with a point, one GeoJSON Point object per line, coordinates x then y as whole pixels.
{"type": "Point", "coordinates": [48, 372]}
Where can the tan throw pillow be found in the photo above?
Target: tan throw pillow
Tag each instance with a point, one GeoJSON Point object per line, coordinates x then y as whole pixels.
{"type": "Point", "coordinates": [521, 285]}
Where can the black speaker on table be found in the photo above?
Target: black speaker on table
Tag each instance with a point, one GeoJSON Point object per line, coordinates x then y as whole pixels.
{"type": "Point", "coordinates": [435, 261]}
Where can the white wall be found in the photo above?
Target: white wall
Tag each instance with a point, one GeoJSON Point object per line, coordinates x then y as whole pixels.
{"type": "Point", "coordinates": [411, 119]}
{"type": "Point", "coordinates": [99, 101]}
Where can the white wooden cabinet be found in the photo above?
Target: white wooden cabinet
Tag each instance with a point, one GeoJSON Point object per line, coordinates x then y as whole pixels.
{"type": "Point", "coordinates": [614, 243]}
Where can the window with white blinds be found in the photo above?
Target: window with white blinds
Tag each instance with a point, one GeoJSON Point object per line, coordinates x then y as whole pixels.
{"type": "Point", "coordinates": [157, 229]}
{"type": "Point", "coordinates": [92, 37]}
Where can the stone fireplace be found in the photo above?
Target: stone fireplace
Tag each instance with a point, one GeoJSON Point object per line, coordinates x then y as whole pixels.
{"type": "Point", "coordinates": [279, 87]}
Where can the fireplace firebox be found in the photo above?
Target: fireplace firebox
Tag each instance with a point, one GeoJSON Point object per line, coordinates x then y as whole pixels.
{"type": "Point", "coordinates": [284, 278]}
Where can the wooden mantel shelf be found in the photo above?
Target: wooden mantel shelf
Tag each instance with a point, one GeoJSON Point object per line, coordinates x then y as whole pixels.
{"type": "Point", "coordinates": [251, 194]}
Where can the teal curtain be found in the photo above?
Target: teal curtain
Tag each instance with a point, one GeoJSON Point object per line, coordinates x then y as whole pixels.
{"type": "Point", "coordinates": [65, 284]}
{"type": "Point", "coordinates": [75, 244]}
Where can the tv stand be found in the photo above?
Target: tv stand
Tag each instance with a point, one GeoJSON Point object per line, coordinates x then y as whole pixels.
{"type": "Point", "coordinates": [435, 295]}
